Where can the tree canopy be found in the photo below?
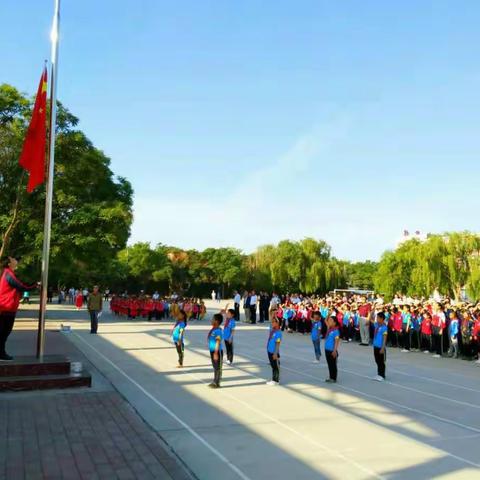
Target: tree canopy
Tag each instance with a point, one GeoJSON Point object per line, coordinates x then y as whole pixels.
{"type": "Point", "coordinates": [92, 208]}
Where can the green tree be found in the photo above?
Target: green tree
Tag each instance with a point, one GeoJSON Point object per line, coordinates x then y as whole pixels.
{"type": "Point", "coordinates": [92, 209]}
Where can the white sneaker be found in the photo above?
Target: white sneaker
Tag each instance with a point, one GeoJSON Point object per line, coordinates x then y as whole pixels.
{"type": "Point", "coordinates": [426, 351]}
{"type": "Point", "coordinates": [405, 350]}
{"type": "Point", "coordinates": [229, 362]}
{"type": "Point", "coordinates": [436, 355]}
{"type": "Point", "coordinates": [478, 361]}
{"type": "Point", "coordinates": [316, 361]}
{"type": "Point", "coordinates": [378, 378]}
{"type": "Point", "coordinates": [271, 383]}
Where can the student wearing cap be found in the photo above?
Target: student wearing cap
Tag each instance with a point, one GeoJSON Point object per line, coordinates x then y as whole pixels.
{"type": "Point", "coordinates": [380, 346]}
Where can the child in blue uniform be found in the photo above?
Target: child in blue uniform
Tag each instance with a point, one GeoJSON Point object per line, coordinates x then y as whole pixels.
{"type": "Point", "coordinates": [215, 337]}
{"type": "Point", "coordinates": [332, 339]}
{"type": "Point", "coordinates": [316, 333]}
{"type": "Point", "coordinates": [228, 333]}
{"type": "Point", "coordinates": [273, 350]}
{"type": "Point", "coordinates": [380, 346]}
{"type": "Point", "coordinates": [178, 333]}
{"type": "Point", "coordinates": [453, 335]}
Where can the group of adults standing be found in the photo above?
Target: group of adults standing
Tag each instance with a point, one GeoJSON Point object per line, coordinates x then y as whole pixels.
{"type": "Point", "coordinates": [253, 304]}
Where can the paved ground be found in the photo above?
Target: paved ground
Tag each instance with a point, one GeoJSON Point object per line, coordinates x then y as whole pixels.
{"type": "Point", "coordinates": [423, 423]}
{"type": "Point", "coordinates": [79, 433]}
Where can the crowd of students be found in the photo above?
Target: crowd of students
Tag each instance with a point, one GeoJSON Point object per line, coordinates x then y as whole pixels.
{"type": "Point", "coordinates": [156, 307]}
{"type": "Point", "coordinates": [437, 327]}
{"type": "Point", "coordinates": [441, 328]}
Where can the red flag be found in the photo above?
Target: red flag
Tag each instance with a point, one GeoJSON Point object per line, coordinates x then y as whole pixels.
{"type": "Point", "coordinates": [32, 158]}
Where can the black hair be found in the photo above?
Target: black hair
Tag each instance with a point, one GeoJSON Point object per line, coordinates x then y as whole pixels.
{"type": "Point", "coordinates": [232, 311]}
{"type": "Point", "coordinates": [316, 314]}
{"type": "Point", "coordinates": [381, 315]}
{"type": "Point", "coordinates": [218, 317]}
{"type": "Point", "coordinates": [184, 315]}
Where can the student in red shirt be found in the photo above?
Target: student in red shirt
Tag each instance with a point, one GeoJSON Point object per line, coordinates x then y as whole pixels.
{"type": "Point", "coordinates": [426, 331]}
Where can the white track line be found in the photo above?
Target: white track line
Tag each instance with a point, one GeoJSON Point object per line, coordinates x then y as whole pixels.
{"type": "Point", "coordinates": [445, 420]}
{"type": "Point", "coordinates": [187, 427]}
{"type": "Point", "coordinates": [326, 449]}
{"type": "Point", "coordinates": [441, 382]}
{"type": "Point", "coordinates": [398, 385]}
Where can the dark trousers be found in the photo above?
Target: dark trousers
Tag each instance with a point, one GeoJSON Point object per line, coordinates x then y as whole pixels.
{"type": "Point", "coordinates": [261, 312]}
{"type": "Point", "coordinates": [217, 367]}
{"type": "Point", "coordinates": [93, 321]}
{"type": "Point", "coordinates": [7, 319]}
{"type": "Point", "coordinates": [380, 359]}
{"type": "Point", "coordinates": [406, 339]}
{"type": "Point", "coordinates": [180, 350]}
{"type": "Point", "coordinates": [332, 364]}
{"type": "Point", "coordinates": [229, 349]}
{"type": "Point", "coordinates": [237, 312]}
{"type": "Point", "coordinates": [275, 364]}
{"type": "Point", "coordinates": [253, 314]}
{"type": "Point", "coordinates": [426, 342]}
{"type": "Point", "coordinates": [437, 343]}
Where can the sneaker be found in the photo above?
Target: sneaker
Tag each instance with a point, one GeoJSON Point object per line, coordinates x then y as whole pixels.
{"type": "Point", "coordinates": [436, 355]}
{"type": "Point", "coordinates": [349, 340]}
{"type": "Point", "coordinates": [426, 351]}
{"type": "Point", "coordinates": [405, 350]}
{"type": "Point", "coordinates": [316, 361]}
{"type": "Point", "coordinates": [271, 383]}
{"type": "Point", "coordinates": [330, 380]}
{"type": "Point", "coordinates": [6, 358]}
{"type": "Point", "coordinates": [213, 385]}
{"type": "Point", "coordinates": [478, 361]}
{"type": "Point", "coordinates": [379, 378]}
{"type": "Point", "coordinates": [229, 362]}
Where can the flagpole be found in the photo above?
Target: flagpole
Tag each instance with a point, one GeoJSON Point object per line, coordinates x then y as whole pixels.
{"type": "Point", "coordinates": [50, 174]}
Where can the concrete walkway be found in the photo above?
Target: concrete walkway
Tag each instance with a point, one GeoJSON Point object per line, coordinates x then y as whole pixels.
{"type": "Point", "coordinates": [76, 434]}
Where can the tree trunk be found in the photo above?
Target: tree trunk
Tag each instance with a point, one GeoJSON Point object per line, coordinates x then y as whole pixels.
{"type": "Point", "coordinates": [11, 227]}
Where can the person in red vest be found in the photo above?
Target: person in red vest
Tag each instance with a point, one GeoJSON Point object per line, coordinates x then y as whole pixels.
{"type": "Point", "coordinates": [11, 290]}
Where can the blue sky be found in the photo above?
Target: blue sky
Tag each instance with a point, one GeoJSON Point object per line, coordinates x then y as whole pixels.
{"type": "Point", "coordinates": [246, 122]}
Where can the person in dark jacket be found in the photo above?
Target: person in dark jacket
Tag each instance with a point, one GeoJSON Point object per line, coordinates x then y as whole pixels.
{"type": "Point", "coordinates": [11, 291]}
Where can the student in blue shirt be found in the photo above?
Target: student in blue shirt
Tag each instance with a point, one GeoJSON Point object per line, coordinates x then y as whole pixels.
{"type": "Point", "coordinates": [332, 339]}
{"type": "Point", "coordinates": [380, 346]}
{"type": "Point", "coordinates": [453, 335]}
{"type": "Point", "coordinates": [228, 333]}
{"type": "Point", "coordinates": [273, 350]}
{"type": "Point", "coordinates": [215, 337]}
{"type": "Point", "coordinates": [316, 334]}
{"type": "Point", "coordinates": [178, 334]}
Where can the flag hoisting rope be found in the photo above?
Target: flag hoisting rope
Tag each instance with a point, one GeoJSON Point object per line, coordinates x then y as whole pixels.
{"type": "Point", "coordinates": [50, 173]}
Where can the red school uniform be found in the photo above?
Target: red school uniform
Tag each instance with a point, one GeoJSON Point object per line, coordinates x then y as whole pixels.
{"type": "Point", "coordinates": [397, 322]}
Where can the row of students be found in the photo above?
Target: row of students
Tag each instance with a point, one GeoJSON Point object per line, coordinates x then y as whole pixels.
{"type": "Point", "coordinates": [216, 338]}
{"type": "Point", "coordinates": [158, 309]}
{"type": "Point", "coordinates": [430, 327]}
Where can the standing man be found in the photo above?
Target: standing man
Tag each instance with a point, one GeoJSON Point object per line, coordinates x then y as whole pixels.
{"type": "Point", "coordinates": [253, 307]}
{"type": "Point", "coordinates": [95, 305]}
{"type": "Point", "coordinates": [236, 304]}
{"type": "Point", "coordinates": [246, 306]}
{"type": "Point", "coordinates": [11, 290]}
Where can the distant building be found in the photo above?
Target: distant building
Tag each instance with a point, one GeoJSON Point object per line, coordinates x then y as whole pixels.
{"type": "Point", "coordinates": [407, 236]}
